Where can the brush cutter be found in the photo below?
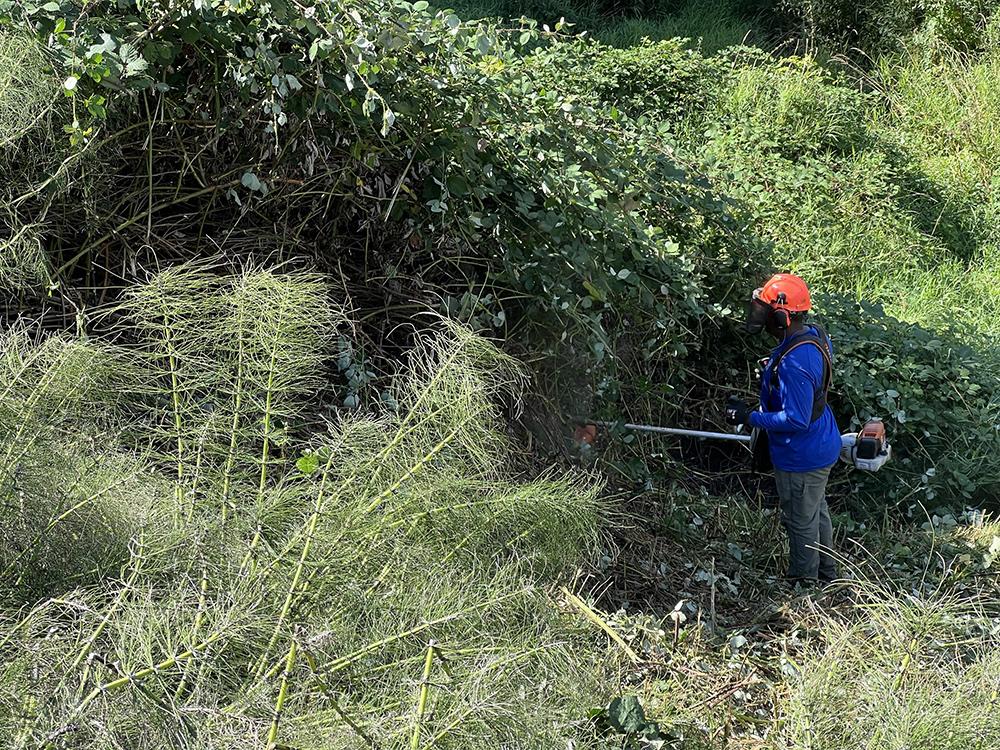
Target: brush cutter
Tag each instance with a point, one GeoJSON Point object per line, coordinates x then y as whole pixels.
{"type": "Point", "coordinates": [867, 449]}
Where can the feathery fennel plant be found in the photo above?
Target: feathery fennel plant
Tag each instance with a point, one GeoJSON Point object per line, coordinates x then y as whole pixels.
{"type": "Point", "coordinates": [28, 87]}
{"type": "Point", "coordinates": [22, 262]}
{"type": "Point", "coordinates": [29, 93]}
{"type": "Point", "coordinates": [397, 592]}
{"type": "Point", "coordinates": [236, 359]}
{"type": "Point", "coordinates": [59, 495]}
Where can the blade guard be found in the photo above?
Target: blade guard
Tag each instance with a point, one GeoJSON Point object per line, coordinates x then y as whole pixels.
{"type": "Point", "coordinates": [872, 445]}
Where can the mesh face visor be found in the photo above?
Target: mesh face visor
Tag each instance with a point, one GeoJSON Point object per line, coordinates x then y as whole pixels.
{"type": "Point", "coordinates": [758, 313]}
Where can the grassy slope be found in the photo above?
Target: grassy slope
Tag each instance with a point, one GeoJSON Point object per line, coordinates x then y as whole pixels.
{"type": "Point", "coordinates": [944, 112]}
{"type": "Point", "coordinates": [711, 25]}
{"type": "Point", "coordinates": [887, 196]}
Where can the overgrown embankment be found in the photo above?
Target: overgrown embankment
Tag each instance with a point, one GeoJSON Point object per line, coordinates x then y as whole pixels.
{"type": "Point", "coordinates": [602, 210]}
{"type": "Point", "coordinates": [239, 519]}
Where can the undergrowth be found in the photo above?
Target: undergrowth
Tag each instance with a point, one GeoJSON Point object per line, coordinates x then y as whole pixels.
{"type": "Point", "coordinates": [211, 545]}
{"type": "Point", "coordinates": [215, 581]}
{"type": "Point", "coordinates": [899, 654]}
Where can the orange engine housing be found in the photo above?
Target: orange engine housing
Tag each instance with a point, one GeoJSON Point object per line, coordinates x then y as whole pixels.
{"type": "Point", "coordinates": [871, 439]}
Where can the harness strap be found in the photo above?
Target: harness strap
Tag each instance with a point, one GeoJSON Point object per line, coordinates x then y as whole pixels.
{"type": "Point", "coordinates": [820, 395]}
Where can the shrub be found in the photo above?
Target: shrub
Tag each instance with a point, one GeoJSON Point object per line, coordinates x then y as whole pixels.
{"type": "Point", "coordinates": [550, 213]}
{"type": "Point", "coordinates": [790, 106]}
{"type": "Point", "coordinates": [937, 395]}
{"type": "Point", "coordinates": [658, 82]}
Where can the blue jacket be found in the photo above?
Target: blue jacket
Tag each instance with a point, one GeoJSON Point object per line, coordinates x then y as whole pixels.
{"type": "Point", "coordinates": [796, 444]}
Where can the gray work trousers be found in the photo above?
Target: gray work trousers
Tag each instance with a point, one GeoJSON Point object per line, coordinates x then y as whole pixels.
{"type": "Point", "coordinates": [806, 518]}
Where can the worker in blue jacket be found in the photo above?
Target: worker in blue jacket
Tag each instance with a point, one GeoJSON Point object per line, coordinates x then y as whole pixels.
{"type": "Point", "coordinates": [802, 435]}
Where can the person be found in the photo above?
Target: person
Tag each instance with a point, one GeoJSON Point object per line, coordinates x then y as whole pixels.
{"type": "Point", "coordinates": [803, 439]}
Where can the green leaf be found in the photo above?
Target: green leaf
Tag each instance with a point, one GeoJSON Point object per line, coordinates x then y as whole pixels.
{"type": "Point", "coordinates": [51, 7]}
{"type": "Point", "coordinates": [421, 5]}
{"type": "Point", "coordinates": [191, 34]}
{"type": "Point", "coordinates": [626, 715]}
{"type": "Point", "coordinates": [594, 291]}
{"type": "Point", "coordinates": [250, 181]}
{"type": "Point", "coordinates": [308, 464]}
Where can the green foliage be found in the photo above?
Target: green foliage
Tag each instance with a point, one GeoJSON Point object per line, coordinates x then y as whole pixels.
{"type": "Point", "coordinates": [943, 112]}
{"type": "Point", "coordinates": [203, 552]}
{"type": "Point", "coordinates": [884, 26]}
{"type": "Point", "coordinates": [581, 221]}
{"type": "Point", "coordinates": [625, 716]}
{"type": "Point", "coordinates": [28, 96]}
{"type": "Point", "coordinates": [937, 396]}
{"type": "Point", "coordinates": [233, 357]}
{"type": "Point", "coordinates": [652, 84]}
{"type": "Point", "coordinates": [66, 505]}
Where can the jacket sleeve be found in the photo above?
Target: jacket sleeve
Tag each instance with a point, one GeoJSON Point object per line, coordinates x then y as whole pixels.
{"type": "Point", "coordinates": [796, 389]}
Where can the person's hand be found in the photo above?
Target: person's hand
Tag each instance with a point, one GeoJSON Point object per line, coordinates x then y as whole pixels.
{"type": "Point", "coordinates": [737, 412]}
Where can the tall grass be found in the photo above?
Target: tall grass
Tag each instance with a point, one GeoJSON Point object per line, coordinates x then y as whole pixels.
{"type": "Point", "coordinates": [943, 109]}
{"type": "Point", "coordinates": [711, 25]}
{"type": "Point", "coordinates": [395, 591]}
{"type": "Point", "coordinates": [918, 672]}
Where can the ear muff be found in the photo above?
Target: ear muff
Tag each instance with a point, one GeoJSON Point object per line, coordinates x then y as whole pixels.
{"type": "Point", "coordinates": [780, 316]}
{"type": "Point", "coordinates": [782, 320]}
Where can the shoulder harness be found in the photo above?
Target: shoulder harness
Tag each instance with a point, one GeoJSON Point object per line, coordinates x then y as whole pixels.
{"type": "Point", "coordinates": [819, 340]}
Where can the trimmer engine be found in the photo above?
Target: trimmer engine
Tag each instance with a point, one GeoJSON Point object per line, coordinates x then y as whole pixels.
{"type": "Point", "coordinates": [867, 449]}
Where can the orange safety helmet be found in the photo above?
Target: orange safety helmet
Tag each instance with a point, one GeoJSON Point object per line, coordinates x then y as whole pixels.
{"type": "Point", "coordinates": [785, 291]}
{"type": "Point", "coordinates": [782, 297]}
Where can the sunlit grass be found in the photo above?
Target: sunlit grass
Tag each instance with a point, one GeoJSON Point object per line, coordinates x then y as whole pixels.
{"type": "Point", "coordinates": [213, 580]}
{"type": "Point", "coordinates": [909, 671]}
